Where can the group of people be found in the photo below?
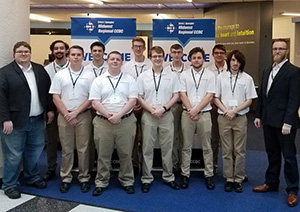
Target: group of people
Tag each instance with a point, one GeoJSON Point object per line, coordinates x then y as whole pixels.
{"type": "Point", "coordinates": [106, 105]}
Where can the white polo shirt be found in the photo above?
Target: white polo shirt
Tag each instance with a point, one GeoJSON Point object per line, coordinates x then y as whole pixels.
{"type": "Point", "coordinates": [136, 68]}
{"type": "Point", "coordinates": [241, 89]}
{"type": "Point", "coordinates": [158, 92]}
{"type": "Point", "coordinates": [53, 68]}
{"type": "Point", "coordinates": [113, 91]}
{"type": "Point", "coordinates": [213, 68]}
{"type": "Point", "coordinates": [74, 91]}
{"type": "Point", "coordinates": [35, 104]}
{"type": "Point", "coordinates": [97, 71]}
{"type": "Point", "coordinates": [183, 67]}
{"type": "Point", "coordinates": [197, 85]}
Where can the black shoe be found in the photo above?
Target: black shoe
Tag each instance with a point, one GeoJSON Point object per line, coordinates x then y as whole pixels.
{"type": "Point", "coordinates": [49, 175]}
{"type": "Point", "coordinates": [209, 181]}
{"type": "Point", "coordinates": [245, 179]}
{"type": "Point", "coordinates": [98, 191]}
{"type": "Point", "coordinates": [85, 187]}
{"type": "Point", "coordinates": [40, 184]}
{"type": "Point", "coordinates": [184, 182]}
{"type": "Point", "coordinates": [64, 188]}
{"type": "Point", "coordinates": [129, 189]}
{"type": "Point", "coordinates": [228, 187]}
{"type": "Point", "coordinates": [13, 193]}
{"type": "Point", "coordinates": [238, 187]}
{"type": "Point", "coordinates": [145, 187]}
{"type": "Point", "coordinates": [172, 185]}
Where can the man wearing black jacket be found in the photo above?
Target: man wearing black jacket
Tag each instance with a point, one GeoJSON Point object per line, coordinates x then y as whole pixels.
{"type": "Point", "coordinates": [277, 111]}
{"type": "Point", "coordinates": [24, 101]}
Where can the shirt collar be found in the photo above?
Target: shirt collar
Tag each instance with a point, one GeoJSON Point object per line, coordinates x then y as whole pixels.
{"type": "Point", "coordinates": [195, 72]}
{"type": "Point", "coordinates": [25, 70]}
{"type": "Point", "coordinates": [278, 66]}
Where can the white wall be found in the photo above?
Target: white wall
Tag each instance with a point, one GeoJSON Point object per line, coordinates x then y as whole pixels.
{"type": "Point", "coordinates": [284, 28]}
{"type": "Point", "coordinates": [40, 45]}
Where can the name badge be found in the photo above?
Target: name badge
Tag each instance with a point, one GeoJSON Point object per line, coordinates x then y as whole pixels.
{"type": "Point", "coordinates": [115, 99]}
{"type": "Point", "coordinates": [196, 99]}
{"type": "Point", "coordinates": [157, 102]}
{"type": "Point", "coordinates": [73, 95]}
{"type": "Point", "coordinates": [233, 103]}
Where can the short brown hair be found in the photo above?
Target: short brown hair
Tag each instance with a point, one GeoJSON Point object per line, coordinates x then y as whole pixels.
{"type": "Point", "coordinates": [281, 40]}
{"type": "Point", "coordinates": [219, 46]}
{"type": "Point", "coordinates": [76, 47]}
{"type": "Point", "coordinates": [176, 46]}
{"type": "Point", "coordinates": [21, 43]}
{"type": "Point", "coordinates": [114, 52]}
{"type": "Point", "coordinates": [196, 50]}
{"type": "Point", "coordinates": [138, 39]}
{"type": "Point", "coordinates": [156, 49]}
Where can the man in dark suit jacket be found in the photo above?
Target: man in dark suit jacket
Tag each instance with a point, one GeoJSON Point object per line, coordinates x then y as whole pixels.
{"type": "Point", "coordinates": [277, 111]}
{"type": "Point", "coordinates": [24, 101]}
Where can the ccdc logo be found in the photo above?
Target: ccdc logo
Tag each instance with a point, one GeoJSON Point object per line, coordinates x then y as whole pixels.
{"type": "Point", "coordinates": [89, 26]}
{"type": "Point", "coordinates": [170, 28]}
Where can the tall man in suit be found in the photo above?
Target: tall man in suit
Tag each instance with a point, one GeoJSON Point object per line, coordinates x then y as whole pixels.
{"type": "Point", "coordinates": [277, 111]}
{"type": "Point", "coordinates": [24, 100]}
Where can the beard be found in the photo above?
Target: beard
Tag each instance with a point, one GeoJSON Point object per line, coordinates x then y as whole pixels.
{"type": "Point", "coordinates": [278, 58]}
{"type": "Point", "coordinates": [59, 56]}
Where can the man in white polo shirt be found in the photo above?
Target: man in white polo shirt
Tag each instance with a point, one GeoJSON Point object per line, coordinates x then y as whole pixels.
{"type": "Point", "coordinates": [219, 66]}
{"type": "Point", "coordinates": [158, 91]}
{"type": "Point", "coordinates": [98, 66]}
{"type": "Point", "coordinates": [113, 96]}
{"type": "Point", "coordinates": [196, 90]}
{"type": "Point", "coordinates": [234, 93]}
{"type": "Point", "coordinates": [177, 66]}
{"type": "Point", "coordinates": [137, 65]}
{"type": "Point", "coordinates": [70, 88]}
{"type": "Point", "coordinates": [59, 50]}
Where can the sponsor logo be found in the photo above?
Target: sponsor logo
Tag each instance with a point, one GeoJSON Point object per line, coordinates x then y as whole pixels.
{"type": "Point", "coordinates": [89, 26]}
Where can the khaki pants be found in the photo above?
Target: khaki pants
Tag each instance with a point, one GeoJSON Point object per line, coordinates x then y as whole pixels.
{"type": "Point", "coordinates": [233, 139]}
{"type": "Point", "coordinates": [203, 126]}
{"type": "Point", "coordinates": [72, 137]}
{"type": "Point", "coordinates": [177, 144]}
{"type": "Point", "coordinates": [164, 128]}
{"type": "Point", "coordinates": [106, 137]}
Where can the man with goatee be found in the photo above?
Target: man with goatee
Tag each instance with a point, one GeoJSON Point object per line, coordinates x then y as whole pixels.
{"type": "Point", "coordinates": [277, 111]}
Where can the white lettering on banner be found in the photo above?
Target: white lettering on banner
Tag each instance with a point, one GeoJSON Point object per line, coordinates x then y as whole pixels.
{"type": "Point", "coordinates": [105, 26]}
{"type": "Point", "coordinates": [185, 27]}
{"type": "Point", "coordinates": [103, 31]}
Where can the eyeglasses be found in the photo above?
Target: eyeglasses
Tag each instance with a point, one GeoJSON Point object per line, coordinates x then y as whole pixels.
{"type": "Point", "coordinates": [221, 53]}
{"type": "Point", "coordinates": [138, 46]}
{"type": "Point", "coordinates": [279, 49]}
{"type": "Point", "coordinates": [22, 52]}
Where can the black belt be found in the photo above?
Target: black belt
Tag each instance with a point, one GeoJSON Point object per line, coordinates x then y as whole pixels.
{"type": "Point", "coordinates": [123, 117]}
{"type": "Point", "coordinates": [82, 111]}
{"type": "Point", "coordinates": [199, 112]}
{"type": "Point", "coordinates": [237, 115]}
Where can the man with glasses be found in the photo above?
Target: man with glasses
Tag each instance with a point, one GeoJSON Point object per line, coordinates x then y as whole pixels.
{"type": "Point", "coordinates": [277, 111]}
{"type": "Point", "coordinates": [24, 102]}
{"type": "Point", "coordinates": [219, 66]}
{"type": "Point", "coordinates": [59, 50]}
{"type": "Point", "coordinates": [176, 66]}
{"type": "Point", "coordinates": [158, 92]}
{"type": "Point", "coordinates": [137, 65]}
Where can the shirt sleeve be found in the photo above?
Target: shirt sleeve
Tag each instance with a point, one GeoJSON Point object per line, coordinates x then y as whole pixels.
{"type": "Point", "coordinates": [95, 91]}
{"type": "Point", "coordinates": [250, 89]}
{"type": "Point", "coordinates": [56, 85]}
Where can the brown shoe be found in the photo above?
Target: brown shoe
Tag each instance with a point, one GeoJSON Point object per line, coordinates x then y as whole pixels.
{"type": "Point", "coordinates": [292, 200]}
{"type": "Point", "coordinates": [264, 188]}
